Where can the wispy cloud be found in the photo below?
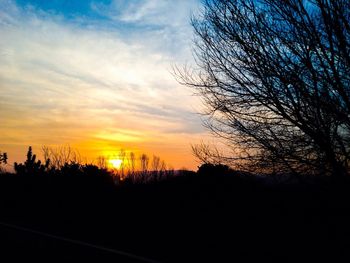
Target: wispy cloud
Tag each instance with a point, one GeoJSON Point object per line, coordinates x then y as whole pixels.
{"type": "Point", "coordinates": [149, 12]}
{"type": "Point", "coordinates": [79, 82]}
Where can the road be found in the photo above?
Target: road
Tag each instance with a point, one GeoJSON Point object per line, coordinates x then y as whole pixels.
{"type": "Point", "coordinates": [25, 243]}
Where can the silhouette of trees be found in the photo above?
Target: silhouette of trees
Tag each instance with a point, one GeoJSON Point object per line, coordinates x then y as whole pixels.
{"type": "Point", "coordinates": [129, 171]}
{"type": "Point", "coordinates": [61, 155]}
{"type": "Point", "coordinates": [31, 166]}
{"type": "Point", "coordinates": [122, 158]}
{"type": "Point", "coordinates": [274, 76]}
{"type": "Point", "coordinates": [207, 154]}
{"type": "Point", "coordinates": [70, 169]}
{"type": "Point", "coordinates": [102, 162]}
{"type": "Point", "coordinates": [162, 168]}
{"type": "Point", "coordinates": [144, 161]}
{"type": "Point", "coordinates": [3, 158]}
{"type": "Point", "coordinates": [155, 167]}
{"type": "Point", "coordinates": [213, 169]}
{"type": "Point", "coordinates": [148, 169]}
{"type": "Point", "coordinates": [132, 161]}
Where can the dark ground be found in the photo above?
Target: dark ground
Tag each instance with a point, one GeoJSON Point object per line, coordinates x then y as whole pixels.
{"type": "Point", "coordinates": [193, 218]}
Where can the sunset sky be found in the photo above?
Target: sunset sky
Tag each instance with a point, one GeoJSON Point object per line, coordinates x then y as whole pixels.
{"type": "Point", "coordinates": [97, 75]}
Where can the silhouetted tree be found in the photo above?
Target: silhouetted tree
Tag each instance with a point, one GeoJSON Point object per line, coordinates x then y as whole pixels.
{"type": "Point", "coordinates": [31, 166]}
{"type": "Point", "coordinates": [213, 169]}
{"type": "Point", "coordinates": [162, 169]}
{"type": "Point", "coordinates": [3, 158]}
{"type": "Point", "coordinates": [61, 155]}
{"type": "Point", "coordinates": [102, 162]}
{"type": "Point", "coordinates": [155, 167]}
{"type": "Point", "coordinates": [132, 162]}
{"type": "Point", "coordinates": [144, 161]}
{"type": "Point", "coordinates": [122, 158]}
{"type": "Point", "coordinates": [208, 153]}
{"type": "Point", "coordinates": [275, 78]}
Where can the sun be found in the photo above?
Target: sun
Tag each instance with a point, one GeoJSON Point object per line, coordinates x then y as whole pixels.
{"type": "Point", "coordinates": [115, 163]}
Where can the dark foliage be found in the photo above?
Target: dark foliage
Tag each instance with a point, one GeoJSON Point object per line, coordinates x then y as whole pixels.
{"type": "Point", "coordinates": [208, 169]}
{"type": "Point", "coordinates": [34, 167]}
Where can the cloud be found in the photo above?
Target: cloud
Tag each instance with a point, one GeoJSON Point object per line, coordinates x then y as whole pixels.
{"type": "Point", "coordinates": [67, 81]}
{"type": "Point", "coordinates": [154, 12]}
{"type": "Point", "coordinates": [161, 24]}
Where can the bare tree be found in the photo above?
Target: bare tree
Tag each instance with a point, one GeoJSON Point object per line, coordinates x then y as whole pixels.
{"type": "Point", "coordinates": [131, 164]}
{"type": "Point", "coordinates": [170, 172]}
{"type": "Point", "coordinates": [162, 169]}
{"type": "Point", "coordinates": [122, 156]}
{"type": "Point", "coordinates": [144, 161]}
{"type": "Point", "coordinates": [102, 162]}
{"type": "Point", "coordinates": [61, 155]}
{"type": "Point", "coordinates": [155, 167]}
{"type": "Point", "coordinates": [274, 76]}
{"type": "Point", "coordinates": [208, 153]}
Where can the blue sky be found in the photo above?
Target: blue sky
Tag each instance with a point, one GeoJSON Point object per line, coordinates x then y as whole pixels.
{"type": "Point", "coordinates": [97, 75]}
{"type": "Point", "coordinates": [67, 8]}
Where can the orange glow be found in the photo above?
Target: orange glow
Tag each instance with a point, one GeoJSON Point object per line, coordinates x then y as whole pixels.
{"type": "Point", "coordinates": [115, 163]}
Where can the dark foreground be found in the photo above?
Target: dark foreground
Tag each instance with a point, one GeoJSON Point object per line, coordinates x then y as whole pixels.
{"type": "Point", "coordinates": [193, 218]}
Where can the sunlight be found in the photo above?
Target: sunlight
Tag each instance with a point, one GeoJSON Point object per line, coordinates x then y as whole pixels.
{"type": "Point", "coordinates": [115, 163]}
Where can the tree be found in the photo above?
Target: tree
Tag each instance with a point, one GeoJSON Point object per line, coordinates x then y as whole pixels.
{"type": "Point", "coordinates": [274, 76]}
{"type": "Point", "coordinates": [31, 166]}
{"type": "Point", "coordinates": [132, 163]}
{"type": "Point", "coordinates": [61, 155]}
{"type": "Point", "coordinates": [144, 161]}
{"type": "Point", "coordinates": [3, 158]}
{"type": "Point", "coordinates": [155, 167]}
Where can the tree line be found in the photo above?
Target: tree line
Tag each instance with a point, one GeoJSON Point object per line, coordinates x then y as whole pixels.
{"type": "Point", "coordinates": [66, 161]}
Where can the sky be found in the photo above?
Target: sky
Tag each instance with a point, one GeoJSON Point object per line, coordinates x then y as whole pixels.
{"type": "Point", "coordinates": [97, 76]}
